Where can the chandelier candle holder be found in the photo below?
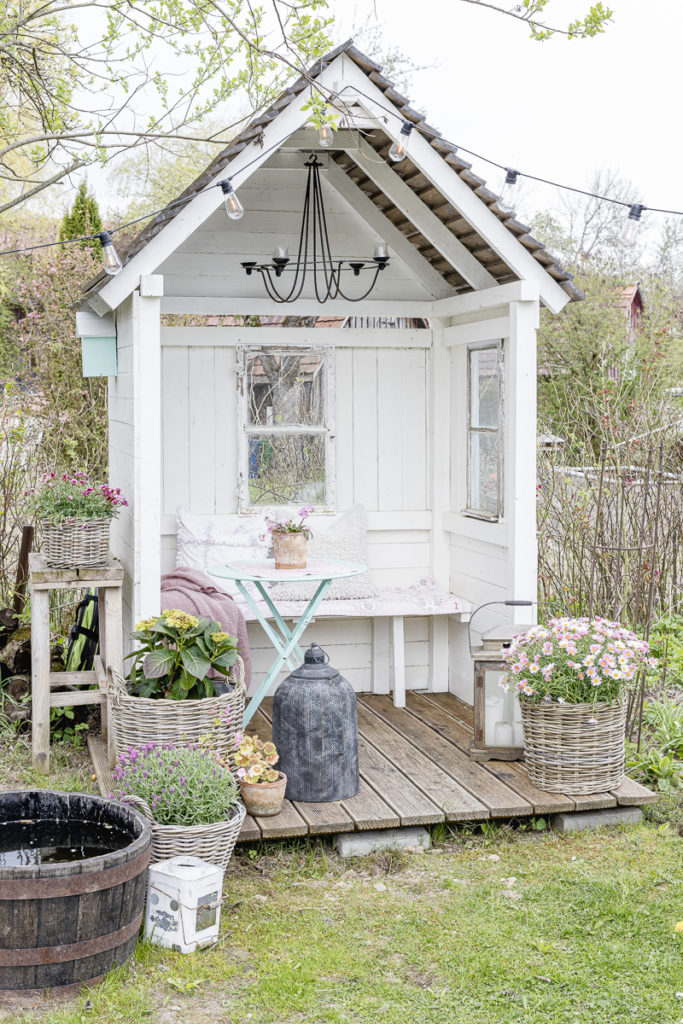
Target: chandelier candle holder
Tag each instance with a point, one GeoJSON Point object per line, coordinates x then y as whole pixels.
{"type": "Point", "coordinates": [314, 257]}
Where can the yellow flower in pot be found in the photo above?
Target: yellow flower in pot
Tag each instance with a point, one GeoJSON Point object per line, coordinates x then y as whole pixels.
{"type": "Point", "coordinates": [262, 786]}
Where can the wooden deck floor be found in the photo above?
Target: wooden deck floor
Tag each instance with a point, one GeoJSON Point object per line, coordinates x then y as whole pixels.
{"type": "Point", "coordinates": [415, 770]}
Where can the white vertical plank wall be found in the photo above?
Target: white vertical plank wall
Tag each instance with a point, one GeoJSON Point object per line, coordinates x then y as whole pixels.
{"type": "Point", "coordinates": [381, 434]}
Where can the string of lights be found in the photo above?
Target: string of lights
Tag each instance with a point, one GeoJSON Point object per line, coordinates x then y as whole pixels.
{"type": "Point", "coordinates": [397, 152]}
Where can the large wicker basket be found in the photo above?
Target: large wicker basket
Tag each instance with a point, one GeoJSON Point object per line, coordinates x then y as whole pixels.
{"type": "Point", "coordinates": [213, 843]}
{"type": "Point", "coordinates": [70, 545]}
{"type": "Point", "coordinates": [574, 748]}
{"type": "Point", "coordinates": [139, 720]}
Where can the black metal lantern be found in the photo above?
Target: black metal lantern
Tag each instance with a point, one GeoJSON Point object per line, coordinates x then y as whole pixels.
{"type": "Point", "coordinates": [315, 729]}
{"type": "Point", "coordinates": [314, 255]}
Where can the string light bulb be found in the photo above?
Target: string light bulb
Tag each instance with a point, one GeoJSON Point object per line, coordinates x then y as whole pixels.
{"type": "Point", "coordinates": [400, 147]}
{"type": "Point", "coordinates": [511, 176]}
{"type": "Point", "coordinates": [629, 232]}
{"type": "Point", "coordinates": [110, 257]}
{"type": "Point", "coordinates": [325, 136]}
{"type": "Point", "coordinates": [233, 206]}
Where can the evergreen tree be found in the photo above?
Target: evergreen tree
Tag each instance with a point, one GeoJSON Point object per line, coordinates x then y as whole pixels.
{"type": "Point", "coordinates": [83, 219]}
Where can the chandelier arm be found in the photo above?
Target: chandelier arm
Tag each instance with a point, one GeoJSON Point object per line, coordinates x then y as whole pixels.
{"type": "Point", "coordinates": [359, 298]}
{"type": "Point", "coordinates": [320, 223]}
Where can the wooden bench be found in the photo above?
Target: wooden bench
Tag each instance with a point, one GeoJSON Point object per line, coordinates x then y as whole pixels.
{"type": "Point", "coordinates": [388, 610]}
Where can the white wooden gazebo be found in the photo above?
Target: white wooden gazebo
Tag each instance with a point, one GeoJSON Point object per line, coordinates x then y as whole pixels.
{"type": "Point", "coordinates": [431, 429]}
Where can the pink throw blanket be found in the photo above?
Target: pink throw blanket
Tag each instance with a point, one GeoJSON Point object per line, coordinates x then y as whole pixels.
{"type": "Point", "coordinates": [191, 591]}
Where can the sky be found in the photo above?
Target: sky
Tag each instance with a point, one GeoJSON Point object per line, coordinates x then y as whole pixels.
{"type": "Point", "coordinates": [560, 109]}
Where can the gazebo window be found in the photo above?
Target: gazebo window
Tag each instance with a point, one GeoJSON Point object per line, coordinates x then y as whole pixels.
{"type": "Point", "coordinates": [485, 431]}
{"type": "Point", "coordinates": [285, 434]}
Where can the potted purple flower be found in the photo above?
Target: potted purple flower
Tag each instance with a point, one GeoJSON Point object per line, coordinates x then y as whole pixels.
{"type": "Point", "coordinates": [290, 539]}
{"type": "Point", "coordinates": [190, 798]}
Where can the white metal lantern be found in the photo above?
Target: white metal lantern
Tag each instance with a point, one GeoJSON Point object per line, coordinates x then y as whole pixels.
{"type": "Point", "coordinates": [183, 903]}
{"type": "Point", "coordinates": [497, 715]}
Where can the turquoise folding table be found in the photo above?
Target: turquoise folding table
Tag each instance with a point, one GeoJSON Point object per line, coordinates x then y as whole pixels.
{"type": "Point", "coordinates": [286, 643]}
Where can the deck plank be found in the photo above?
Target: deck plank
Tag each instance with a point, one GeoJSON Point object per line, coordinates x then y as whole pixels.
{"type": "Point", "coordinates": [454, 800]}
{"type": "Point", "coordinates": [512, 773]}
{"type": "Point", "coordinates": [501, 800]}
{"type": "Point", "coordinates": [585, 802]}
{"type": "Point", "coordinates": [407, 801]}
{"type": "Point", "coordinates": [631, 794]}
{"type": "Point", "coordinates": [100, 763]}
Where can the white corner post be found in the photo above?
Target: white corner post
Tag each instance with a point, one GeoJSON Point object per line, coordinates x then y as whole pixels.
{"type": "Point", "coordinates": [147, 445]}
{"type": "Point", "coordinates": [520, 462]}
{"type": "Point", "coordinates": [439, 470]}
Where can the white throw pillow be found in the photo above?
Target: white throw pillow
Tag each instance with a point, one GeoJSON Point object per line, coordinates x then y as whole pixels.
{"type": "Point", "coordinates": [345, 538]}
{"type": "Point", "coordinates": [204, 541]}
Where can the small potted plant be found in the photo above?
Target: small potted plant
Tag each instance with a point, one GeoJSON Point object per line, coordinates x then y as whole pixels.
{"type": "Point", "coordinates": [186, 678]}
{"type": "Point", "coordinates": [290, 539]}
{"type": "Point", "coordinates": [190, 799]}
{"type": "Point", "coordinates": [262, 786]}
{"type": "Point", "coordinates": [75, 515]}
{"type": "Point", "coordinates": [571, 677]}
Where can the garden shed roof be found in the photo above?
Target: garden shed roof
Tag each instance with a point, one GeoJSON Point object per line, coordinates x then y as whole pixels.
{"type": "Point", "coordinates": [439, 205]}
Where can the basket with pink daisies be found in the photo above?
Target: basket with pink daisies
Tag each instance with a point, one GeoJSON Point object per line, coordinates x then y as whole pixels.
{"type": "Point", "coordinates": [571, 676]}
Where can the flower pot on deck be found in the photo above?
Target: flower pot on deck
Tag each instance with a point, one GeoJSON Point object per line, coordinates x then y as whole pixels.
{"type": "Point", "coordinates": [263, 799]}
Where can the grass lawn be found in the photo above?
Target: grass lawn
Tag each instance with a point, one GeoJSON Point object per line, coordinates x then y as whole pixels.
{"type": "Point", "coordinates": [503, 928]}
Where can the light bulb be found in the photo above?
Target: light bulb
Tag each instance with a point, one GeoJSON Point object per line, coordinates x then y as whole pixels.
{"type": "Point", "coordinates": [110, 257]}
{"type": "Point", "coordinates": [629, 232]}
{"type": "Point", "coordinates": [325, 136]}
{"type": "Point", "coordinates": [511, 176]}
{"type": "Point", "coordinates": [400, 147]}
{"type": "Point", "coordinates": [233, 206]}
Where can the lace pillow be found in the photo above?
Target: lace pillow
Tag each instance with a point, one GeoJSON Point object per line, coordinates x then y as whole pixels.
{"type": "Point", "coordinates": [344, 537]}
{"type": "Point", "coordinates": [204, 541]}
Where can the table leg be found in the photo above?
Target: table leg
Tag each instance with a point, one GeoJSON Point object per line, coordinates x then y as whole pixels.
{"type": "Point", "coordinates": [279, 620]}
{"type": "Point", "coordinates": [285, 651]}
{"type": "Point", "coordinates": [275, 640]}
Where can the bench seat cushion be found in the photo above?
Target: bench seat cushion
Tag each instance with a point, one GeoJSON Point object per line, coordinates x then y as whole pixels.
{"type": "Point", "coordinates": [426, 597]}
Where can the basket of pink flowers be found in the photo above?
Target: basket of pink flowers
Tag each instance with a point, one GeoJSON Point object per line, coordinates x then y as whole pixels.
{"type": "Point", "coordinates": [572, 678]}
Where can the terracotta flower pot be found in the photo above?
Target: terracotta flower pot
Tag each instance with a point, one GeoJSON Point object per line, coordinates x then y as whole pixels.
{"type": "Point", "coordinates": [263, 799]}
{"type": "Point", "coordinates": [289, 550]}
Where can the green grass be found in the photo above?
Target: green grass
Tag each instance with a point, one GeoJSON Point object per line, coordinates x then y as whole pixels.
{"type": "Point", "coordinates": [426, 938]}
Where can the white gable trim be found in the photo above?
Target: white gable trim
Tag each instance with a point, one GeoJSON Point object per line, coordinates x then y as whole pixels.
{"type": "Point", "coordinates": [458, 193]}
{"type": "Point", "coordinates": [199, 209]}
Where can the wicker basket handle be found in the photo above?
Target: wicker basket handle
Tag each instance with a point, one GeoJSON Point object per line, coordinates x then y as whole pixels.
{"type": "Point", "coordinates": [114, 685]}
{"type": "Point", "coordinates": [143, 805]}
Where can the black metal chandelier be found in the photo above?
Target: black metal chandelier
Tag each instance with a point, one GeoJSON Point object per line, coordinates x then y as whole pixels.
{"type": "Point", "coordinates": [315, 255]}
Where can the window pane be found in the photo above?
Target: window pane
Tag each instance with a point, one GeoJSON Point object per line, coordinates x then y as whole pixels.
{"type": "Point", "coordinates": [286, 469]}
{"type": "Point", "coordinates": [484, 484]}
{"type": "Point", "coordinates": [484, 387]}
{"type": "Point", "coordinates": [285, 389]}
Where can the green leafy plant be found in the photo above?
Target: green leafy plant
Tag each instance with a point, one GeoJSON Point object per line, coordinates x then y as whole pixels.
{"type": "Point", "coordinates": [64, 727]}
{"type": "Point", "coordinates": [177, 651]}
{"type": "Point", "coordinates": [180, 783]}
{"type": "Point", "coordinates": [291, 525]}
{"type": "Point", "coordinates": [666, 643]}
{"type": "Point", "coordinates": [660, 759]}
{"type": "Point", "coordinates": [67, 499]}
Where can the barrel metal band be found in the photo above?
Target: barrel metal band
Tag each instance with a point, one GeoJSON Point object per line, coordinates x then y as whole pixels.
{"type": "Point", "coordinates": [36, 955]}
{"type": "Point", "coordinates": [73, 885]}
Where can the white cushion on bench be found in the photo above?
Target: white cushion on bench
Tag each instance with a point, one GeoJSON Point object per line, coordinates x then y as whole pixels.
{"type": "Point", "coordinates": [426, 597]}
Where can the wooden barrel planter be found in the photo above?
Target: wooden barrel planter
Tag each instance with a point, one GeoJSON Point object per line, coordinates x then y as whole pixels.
{"type": "Point", "coordinates": [73, 873]}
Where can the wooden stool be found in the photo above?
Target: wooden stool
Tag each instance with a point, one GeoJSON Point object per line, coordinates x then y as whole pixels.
{"type": "Point", "coordinates": [108, 579]}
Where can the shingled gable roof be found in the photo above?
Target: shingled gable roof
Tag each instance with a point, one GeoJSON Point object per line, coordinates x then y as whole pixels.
{"type": "Point", "coordinates": [411, 174]}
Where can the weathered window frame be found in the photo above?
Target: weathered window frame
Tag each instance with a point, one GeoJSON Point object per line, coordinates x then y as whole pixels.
{"type": "Point", "coordinates": [245, 430]}
{"type": "Point", "coordinates": [498, 431]}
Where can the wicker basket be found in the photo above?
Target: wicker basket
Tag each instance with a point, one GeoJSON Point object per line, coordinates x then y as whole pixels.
{"type": "Point", "coordinates": [213, 843]}
{"type": "Point", "coordinates": [140, 720]}
{"type": "Point", "coordinates": [574, 748]}
{"type": "Point", "coordinates": [70, 545]}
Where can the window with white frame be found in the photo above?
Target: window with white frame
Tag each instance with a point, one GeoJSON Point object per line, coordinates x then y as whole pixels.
{"type": "Point", "coordinates": [485, 430]}
{"type": "Point", "coordinates": [286, 439]}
